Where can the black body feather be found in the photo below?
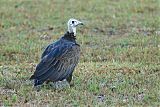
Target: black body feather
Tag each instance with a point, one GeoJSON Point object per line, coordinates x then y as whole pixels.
{"type": "Point", "coordinates": [58, 61]}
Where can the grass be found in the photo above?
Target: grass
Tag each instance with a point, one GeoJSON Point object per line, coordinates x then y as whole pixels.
{"type": "Point", "coordinates": [120, 58]}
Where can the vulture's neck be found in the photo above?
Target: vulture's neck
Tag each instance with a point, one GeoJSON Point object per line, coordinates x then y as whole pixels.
{"type": "Point", "coordinates": [69, 36]}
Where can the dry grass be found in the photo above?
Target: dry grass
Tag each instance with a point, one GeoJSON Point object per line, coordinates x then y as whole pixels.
{"type": "Point", "coordinates": [120, 59]}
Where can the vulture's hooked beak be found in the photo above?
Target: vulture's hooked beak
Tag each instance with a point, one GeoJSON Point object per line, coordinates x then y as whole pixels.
{"type": "Point", "coordinates": [79, 23]}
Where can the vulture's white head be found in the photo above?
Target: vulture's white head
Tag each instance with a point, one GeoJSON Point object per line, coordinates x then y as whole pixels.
{"type": "Point", "coordinates": [72, 24]}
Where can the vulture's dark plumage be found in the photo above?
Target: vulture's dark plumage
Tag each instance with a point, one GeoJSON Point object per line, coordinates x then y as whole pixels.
{"type": "Point", "coordinates": [59, 59]}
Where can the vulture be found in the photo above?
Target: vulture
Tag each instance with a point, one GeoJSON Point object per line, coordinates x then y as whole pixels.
{"type": "Point", "coordinates": [60, 58]}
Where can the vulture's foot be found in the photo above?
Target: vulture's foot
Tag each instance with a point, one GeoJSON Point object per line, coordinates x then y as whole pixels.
{"type": "Point", "coordinates": [71, 83]}
{"type": "Point", "coordinates": [60, 85]}
{"type": "Point", "coordinates": [37, 88]}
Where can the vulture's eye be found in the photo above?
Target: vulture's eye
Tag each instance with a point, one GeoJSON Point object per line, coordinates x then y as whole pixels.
{"type": "Point", "coordinates": [72, 22]}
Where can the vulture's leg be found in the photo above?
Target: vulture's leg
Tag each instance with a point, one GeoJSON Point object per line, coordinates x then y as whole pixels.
{"type": "Point", "coordinates": [60, 84]}
{"type": "Point", "coordinates": [69, 80]}
{"type": "Point", "coordinates": [53, 85]}
{"type": "Point", "coordinates": [37, 85]}
{"type": "Point", "coordinates": [37, 88]}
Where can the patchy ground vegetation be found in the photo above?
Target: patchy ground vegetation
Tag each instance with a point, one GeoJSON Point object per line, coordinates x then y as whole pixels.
{"type": "Point", "coordinates": [120, 59]}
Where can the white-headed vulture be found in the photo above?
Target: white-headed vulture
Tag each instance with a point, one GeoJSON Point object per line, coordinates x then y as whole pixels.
{"type": "Point", "coordinates": [60, 58]}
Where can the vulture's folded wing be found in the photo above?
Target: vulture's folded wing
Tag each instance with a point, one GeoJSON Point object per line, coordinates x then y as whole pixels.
{"type": "Point", "coordinates": [58, 64]}
{"type": "Point", "coordinates": [50, 48]}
